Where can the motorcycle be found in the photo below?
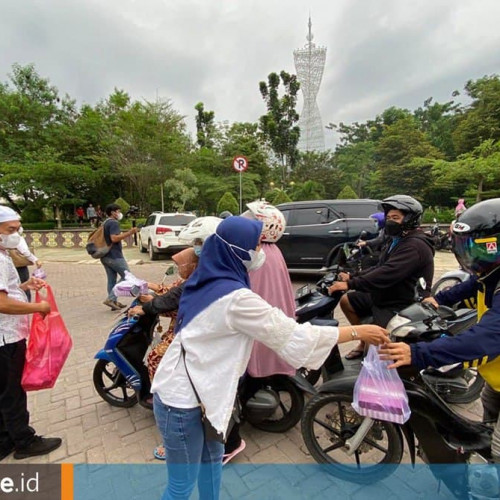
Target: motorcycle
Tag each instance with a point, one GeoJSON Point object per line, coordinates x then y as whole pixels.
{"type": "Point", "coordinates": [364, 450]}
{"type": "Point", "coordinates": [440, 238]}
{"type": "Point", "coordinates": [317, 306]}
{"type": "Point", "coordinates": [272, 404]}
{"type": "Point", "coordinates": [449, 280]}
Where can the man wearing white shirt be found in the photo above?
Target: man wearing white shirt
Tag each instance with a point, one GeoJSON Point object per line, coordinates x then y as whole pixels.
{"type": "Point", "coordinates": [15, 433]}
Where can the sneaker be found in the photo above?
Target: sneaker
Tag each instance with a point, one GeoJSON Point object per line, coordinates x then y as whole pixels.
{"type": "Point", "coordinates": [110, 303]}
{"type": "Point", "coordinates": [230, 456]}
{"type": "Point", "coordinates": [119, 304]}
{"type": "Point", "coordinates": [39, 446]}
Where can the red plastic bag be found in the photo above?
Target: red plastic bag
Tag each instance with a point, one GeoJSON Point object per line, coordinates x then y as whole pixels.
{"type": "Point", "coordinates": [379, 393]}
{"type": "Point", "coordinates": [48, 347]}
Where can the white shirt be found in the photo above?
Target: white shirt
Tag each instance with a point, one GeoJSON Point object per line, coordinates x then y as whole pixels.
{"type": "Point", "coordinates": [218, 343]}
{"type": "Point", "coordinates": [13, 327]}
{"type": "Point", "coordinates": [24, 250]}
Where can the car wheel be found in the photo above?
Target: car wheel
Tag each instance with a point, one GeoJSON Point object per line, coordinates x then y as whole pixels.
{"type": "Point", "coordinates": [142, 248]}
{"type": "Point", "coordinates": [152, 254]}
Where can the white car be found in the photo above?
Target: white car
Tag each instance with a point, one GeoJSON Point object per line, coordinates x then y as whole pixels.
{"type": "Point", "coordinates": [160, 233]}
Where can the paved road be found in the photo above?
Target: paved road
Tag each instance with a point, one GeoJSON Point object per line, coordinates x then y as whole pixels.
{"type": "Point", "coordinates": [92, 430]}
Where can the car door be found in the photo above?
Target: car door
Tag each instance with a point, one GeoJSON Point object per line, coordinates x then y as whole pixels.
{"type": "Point", "coordinates": [313, 231]}
{"type": "Point", "coordinates": [146, 230]}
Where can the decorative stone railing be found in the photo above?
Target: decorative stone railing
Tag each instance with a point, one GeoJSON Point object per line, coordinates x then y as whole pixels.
{"type": "Point", "coordinates": [63, 238]}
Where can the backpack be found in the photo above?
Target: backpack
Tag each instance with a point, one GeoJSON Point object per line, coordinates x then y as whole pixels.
{"type": "Point", "coordinates": [97, 246]}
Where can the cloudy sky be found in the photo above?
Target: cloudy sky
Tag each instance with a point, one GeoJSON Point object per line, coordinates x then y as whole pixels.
{"type": "Point", "coordinates": [380, 52]}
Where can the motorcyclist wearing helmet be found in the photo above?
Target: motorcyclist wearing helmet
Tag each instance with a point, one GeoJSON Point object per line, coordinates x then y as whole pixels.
{"type": "Point", "coordinates": [198, 230]}
{"type": "Point", "coordinates": [389, 286]}
{"type": "Point", "coordinates": [225, 214]}
{"type": "Point", "coordinates": [477, 239]}
{"type": "Point", "coordinates": [377, 243]}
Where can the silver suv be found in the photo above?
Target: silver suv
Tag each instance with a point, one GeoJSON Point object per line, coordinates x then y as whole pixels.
{"type": "Point", "coordinates": [160, 233]}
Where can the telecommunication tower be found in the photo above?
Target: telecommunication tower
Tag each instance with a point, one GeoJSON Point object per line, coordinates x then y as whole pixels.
{"type": "Point", "coordinates": [310, 63]}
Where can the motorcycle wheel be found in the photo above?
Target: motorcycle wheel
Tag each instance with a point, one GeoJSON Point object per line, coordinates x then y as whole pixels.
{"type": "Point", "coordinates": [329, 420]}
{"type": "Point", "coordinates": [443, 284]}
{"type": "Point", "coordinates": [112, 386]}
{"type": "Point", "coordinates": [476, 384]}
{"type": "Point", "coordinates": [289, 410]}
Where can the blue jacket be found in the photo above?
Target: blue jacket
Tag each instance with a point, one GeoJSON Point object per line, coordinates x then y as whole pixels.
{"type": "Point", "coordinates": [479, 346]}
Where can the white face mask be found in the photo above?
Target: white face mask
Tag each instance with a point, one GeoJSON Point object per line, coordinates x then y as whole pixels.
{"type": "Point", "coordinates": [119, 216]}
{"type": "Point", "coordinates": [10, 240]}
{"type": "Point", "coordinates": [256, 261]}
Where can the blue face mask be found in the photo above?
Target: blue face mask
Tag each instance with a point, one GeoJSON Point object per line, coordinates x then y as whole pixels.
{"type": "Point", "coordinates": [197, 250]}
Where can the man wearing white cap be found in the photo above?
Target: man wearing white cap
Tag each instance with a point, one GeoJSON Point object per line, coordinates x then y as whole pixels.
{"type": "Point", "coordinates": [15, 433]}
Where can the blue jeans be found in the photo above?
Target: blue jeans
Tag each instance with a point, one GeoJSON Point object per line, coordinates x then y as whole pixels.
{"type": "Point", "coordinates": [189, 457]}
{"type": "Point", "coordinates": [113, 268]}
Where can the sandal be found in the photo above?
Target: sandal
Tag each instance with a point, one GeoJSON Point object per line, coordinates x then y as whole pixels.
{"type": "Point", "coordinates": [159, 452]}
{"type": "Point", "coordinates": [355, 353]}
{"type": "Point", "coordinates": [229, 456]}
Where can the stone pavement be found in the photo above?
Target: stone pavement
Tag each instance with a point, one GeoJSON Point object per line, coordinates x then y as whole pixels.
{"type": "Point", "coordinates": [92, 430]}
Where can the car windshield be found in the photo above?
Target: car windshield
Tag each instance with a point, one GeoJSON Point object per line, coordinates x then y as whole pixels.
{"type": "Point", "coordinates": [175, 220]}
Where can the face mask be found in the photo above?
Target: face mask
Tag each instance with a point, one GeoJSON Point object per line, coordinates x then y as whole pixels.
{"type": "Point", "coordinates": [197, 250]}
{"type": "Point", "coordinates": [120, 216]}
{"type": "Point", "coordinates": [10, 240]}
{"type": "Point", "coordinates": [256, 260]}
{"type": "Point", "coordinates": [393, 228]}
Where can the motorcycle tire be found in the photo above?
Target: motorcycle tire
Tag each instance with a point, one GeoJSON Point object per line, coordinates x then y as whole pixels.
{"type": "Point", "coordinates": [444, 284]}
{"type": "Point", "coordinates": [471, 394]}
{"type": "Point", "coordinates": [111, 385]}
{"type": "Point", "coordinates": [290, 407]}
{"type": "Point", "coordinates": [329, 420]}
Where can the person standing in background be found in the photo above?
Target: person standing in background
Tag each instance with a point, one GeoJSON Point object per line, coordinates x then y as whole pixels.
{"type": "Point", "coordinates": [114, 262]}
{"type": "Point", "coordinates": [80, 214]}
{"type": "Point", "coordinates": [91, 215]}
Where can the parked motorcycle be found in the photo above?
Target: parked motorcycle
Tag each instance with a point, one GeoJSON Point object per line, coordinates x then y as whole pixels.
{"type": "Point", "coordinates": [364, 450]}
{"type": "Point", "coordinates": [440, 238]}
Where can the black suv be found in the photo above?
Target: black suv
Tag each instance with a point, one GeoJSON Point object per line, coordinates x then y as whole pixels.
{"type": "Point", "coordinates": [315, 228]}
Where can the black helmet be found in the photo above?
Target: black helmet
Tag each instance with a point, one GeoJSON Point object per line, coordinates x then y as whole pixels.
{"type": "Point", "coordinates": [477, 236]}
{"type": "Point", "coordinates": [408, 205]}
{"type": "Point", "coordinates": [225, 214]}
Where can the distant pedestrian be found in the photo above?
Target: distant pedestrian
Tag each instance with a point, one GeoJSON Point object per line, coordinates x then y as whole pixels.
{"type": "Point", "coordinates": [460, 208]}
{"type": "Point", "coordinates": [80, 214]}
{"type": "Point", "coordinates": [16, 435]}
{"type": "Point", "coordinates": [99, 215]}
{"type": "Point", "coordinates": [91, 215]}
{"type": "Point", "coordinates": [114, 262]}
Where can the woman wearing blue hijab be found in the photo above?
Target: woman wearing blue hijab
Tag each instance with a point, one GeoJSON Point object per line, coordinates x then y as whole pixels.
{"type": "Point", "coordinates": [219, 318]}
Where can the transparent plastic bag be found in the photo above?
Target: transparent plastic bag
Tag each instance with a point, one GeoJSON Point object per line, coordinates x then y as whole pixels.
{"type": "Point", "coordinates": [379, 393]}
{"type": "Point", "coordinates": [130, 286]}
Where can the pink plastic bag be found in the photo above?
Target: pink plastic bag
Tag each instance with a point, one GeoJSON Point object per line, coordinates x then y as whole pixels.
{"type": "Point", "coordinates": [48, 347]}
{"type": "Point", "coordinates": [379, 392]}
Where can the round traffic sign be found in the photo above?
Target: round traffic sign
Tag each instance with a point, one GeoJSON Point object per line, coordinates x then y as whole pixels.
{"type": "Point", "coordinates": [240, 163]}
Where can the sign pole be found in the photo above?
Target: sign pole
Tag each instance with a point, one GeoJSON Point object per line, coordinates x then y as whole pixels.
{"type": "Point", "coordinates": [240, 164]}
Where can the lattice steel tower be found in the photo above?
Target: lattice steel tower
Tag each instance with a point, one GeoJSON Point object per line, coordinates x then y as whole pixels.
{"type": "Point", "coordinates": [310, 63]}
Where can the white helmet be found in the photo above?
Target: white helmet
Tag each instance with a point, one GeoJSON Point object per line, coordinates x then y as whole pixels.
{"type": "Point", "coordinates": [273, 219]}
{"type": "Point", "coordinates": [201, 228]}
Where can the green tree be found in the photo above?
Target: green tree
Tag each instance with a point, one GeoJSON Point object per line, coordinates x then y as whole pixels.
{"type": "Point", "coordinates": [205, 126]}
{"type": "Point", "coordinates": [347, 193]}
{"type": "Point", "coordinates": [228, 202]}
{"type": "Point", "coordinates": [280, 197]}
{"type": "Point", "coordinates": [481, 118]}
{"type": "Point", "coordinates": [478, 168]}
{"type": "Point", "coordinates": [309, 190]}
{"type": "Point", "coordinates": [181, 189]}
{"type": "Point", "coordinates": [279, 123]}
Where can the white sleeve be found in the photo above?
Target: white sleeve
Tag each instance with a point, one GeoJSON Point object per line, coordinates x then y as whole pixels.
{"type": "Point", "coordinates": [298, 344]}
{"type": "Point", "coordinates": [23, 249]}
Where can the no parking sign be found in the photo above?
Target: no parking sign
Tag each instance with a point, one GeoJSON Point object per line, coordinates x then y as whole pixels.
{"type": "Point", "coordinates": [240, 163]}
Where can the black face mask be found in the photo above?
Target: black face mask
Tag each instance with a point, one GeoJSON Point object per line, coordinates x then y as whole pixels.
{"type": "Point", "coordinates": [393, 228]}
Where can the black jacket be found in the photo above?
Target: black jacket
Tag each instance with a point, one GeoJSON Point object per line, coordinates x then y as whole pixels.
{"type": "Point", "coordinates": [164, 303]}
{"type": "Point", "coordinates": [391, 283]}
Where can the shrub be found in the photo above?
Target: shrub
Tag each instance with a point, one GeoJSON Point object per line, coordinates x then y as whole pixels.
{"type": "Point", "coordinates": [347, 193]}
{"type": "Point", "coordinates": [228, 202]}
